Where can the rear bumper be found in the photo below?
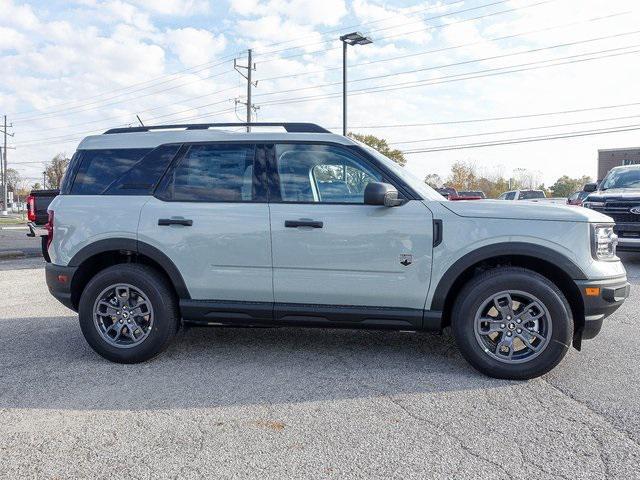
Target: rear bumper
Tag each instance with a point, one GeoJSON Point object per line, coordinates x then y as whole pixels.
{"type": "Point", "coordinates": [36, 230]}
{"type": "Point", "coordinates": [59, 283]}
{"type": "Point", "coordinates": [601, 298]}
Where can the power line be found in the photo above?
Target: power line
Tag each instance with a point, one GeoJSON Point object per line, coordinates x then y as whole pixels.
{"type": "Point", "coordinates": [433, 27]}
{"type": "Point", "coordinates": [295, 47]}
{"type": "Point", "coordinates": [335, 68]}
{"type": "Point", "coordinates": [351, 27]}
{"type": "Point", "coordinates": [97, 105]}
{"type": "Point", "coordinates": [211, 64]}
{"type": "Point", "coordinates": [498, 132]}
{"type": "Point", "coordinates": [493, 119]}
{"type": "Point", "coordinates": [73, 138]}
{"type": "Point", "coordinates": [455, 78]}
{"type": "Point", "coordinates": [583, 133]}
{"type": "Point", "coordinates": [454, 47]}
{"type": "Point", "coordinates": [206, 65]}
{"type": "Point", "coordinates": [465, 62]}
{"type": "Point", "coordinates": [437, 80]}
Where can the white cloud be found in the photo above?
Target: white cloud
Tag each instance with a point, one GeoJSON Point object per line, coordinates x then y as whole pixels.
{"type": "Point", "coordinates": [305, 12]}
{"type": "Point", "coordinates": [383, 21]}
{"type": "Point", "coordinates": [12, 40]}
{"type": "Point", "coordinates": [175, 7]}
{"type": "Point", "coordinates": [195, 46]}
{"type": "Point", "coordinates": [20, 16]}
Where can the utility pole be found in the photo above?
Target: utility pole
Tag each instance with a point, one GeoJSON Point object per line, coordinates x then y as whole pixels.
{"type": "Point", "coordinates": [5, 172]}
{"type": "Point", "coordinates": [250, 68]}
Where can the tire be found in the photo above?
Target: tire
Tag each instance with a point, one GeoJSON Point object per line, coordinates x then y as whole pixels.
{"type": "Point", "coordinates": [476, 315]}
{"type": "Point", "coordinates": [154, 324]}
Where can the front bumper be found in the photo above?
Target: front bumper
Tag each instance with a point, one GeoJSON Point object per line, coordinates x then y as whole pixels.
{"type": "Point", "coordinates": [628, 236]}
{"type": "Point", "coordinates": [59, 283]}
{"type": "Point", "coordinates": [601, 298]}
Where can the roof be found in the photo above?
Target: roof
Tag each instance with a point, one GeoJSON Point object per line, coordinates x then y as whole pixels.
{"type": "Point", "coordinates": [151, 137]}
{"type": "Point", "coordinates": [631, 149]}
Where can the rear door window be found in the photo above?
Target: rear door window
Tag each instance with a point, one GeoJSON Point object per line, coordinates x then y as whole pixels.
{"type": "Point", "coordinates": [97, 169]}
{"type": "Point", "coordinates": [213, 173]}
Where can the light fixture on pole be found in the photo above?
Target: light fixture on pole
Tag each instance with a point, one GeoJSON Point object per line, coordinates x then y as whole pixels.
{"type": "Point", "coordinates": [354, 38]}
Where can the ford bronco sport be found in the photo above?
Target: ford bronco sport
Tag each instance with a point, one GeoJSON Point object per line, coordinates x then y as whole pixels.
{"type": "Point", "coordinates": [156, 226]}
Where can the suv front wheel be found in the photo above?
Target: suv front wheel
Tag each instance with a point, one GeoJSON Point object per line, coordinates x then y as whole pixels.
{"type": "Point", "coordinates": [512, 323]}
{"type": "Point", "coordinates": [128, 313]}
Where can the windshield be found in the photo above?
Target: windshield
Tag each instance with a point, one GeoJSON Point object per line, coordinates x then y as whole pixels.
{"type": "Point", "coordinates": [414, 182]}
{"type": "Point", "coordinates": [622, 178]}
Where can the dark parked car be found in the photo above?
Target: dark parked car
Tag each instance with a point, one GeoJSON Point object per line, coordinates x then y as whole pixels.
{"type": "Point", "coordinates": [447, 192]}
{"type": "Point", "coordinates": [37, 204]}
{"type": "Point", "coordinates": [577, 198]}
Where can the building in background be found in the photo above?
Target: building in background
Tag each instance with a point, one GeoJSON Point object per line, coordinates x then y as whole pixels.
{"type": "Point", "coordinates": [615, 157]}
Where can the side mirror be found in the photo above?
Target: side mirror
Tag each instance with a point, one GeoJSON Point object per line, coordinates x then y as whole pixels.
{"type": "Point", "coordinates": [590, 187]}
{"type": "Point", "coordinates": [378, 193]}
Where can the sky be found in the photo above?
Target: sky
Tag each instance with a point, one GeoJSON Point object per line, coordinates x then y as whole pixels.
{"type": "Point", "coordinates": [438, 76]}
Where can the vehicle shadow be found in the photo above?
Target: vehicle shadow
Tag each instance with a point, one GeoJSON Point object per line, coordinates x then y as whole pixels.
{"type": "Point", "coordinates": [47, 364]}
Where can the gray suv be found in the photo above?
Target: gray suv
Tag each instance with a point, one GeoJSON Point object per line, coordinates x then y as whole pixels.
{"type": "Point", "coordinates": [156, 226]}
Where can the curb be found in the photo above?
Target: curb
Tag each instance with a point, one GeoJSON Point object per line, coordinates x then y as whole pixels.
{"type": "Point", "coordinates": [14, 254]}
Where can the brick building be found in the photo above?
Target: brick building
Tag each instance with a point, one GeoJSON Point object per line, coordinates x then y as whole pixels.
{"type": "Point", "coordinates": [614, 157]}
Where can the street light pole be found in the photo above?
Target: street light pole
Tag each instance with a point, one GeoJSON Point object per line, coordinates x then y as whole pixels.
{"type": "Point", "coordinates": [344, 88]}
{"type": "Point", "coordinates": [354, 38]}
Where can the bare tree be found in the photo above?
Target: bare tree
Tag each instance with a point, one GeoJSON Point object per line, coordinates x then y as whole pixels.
{"type": "Point", "coordinates": [54, 170]}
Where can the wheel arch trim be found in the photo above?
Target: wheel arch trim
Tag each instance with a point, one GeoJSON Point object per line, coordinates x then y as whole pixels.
{"type": "Point", "coordinates": [503, 249]}
{"type": "Point", "coordinates": [139, 248]}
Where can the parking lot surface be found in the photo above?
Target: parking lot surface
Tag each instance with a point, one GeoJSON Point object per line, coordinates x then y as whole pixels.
{"type": "Point", "coordinates": [14, 240]}
{"type": "Point", "coordinates": [303, 403]}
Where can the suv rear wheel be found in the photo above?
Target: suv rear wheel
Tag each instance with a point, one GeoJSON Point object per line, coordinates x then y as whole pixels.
{"type": "Point", "coordinates": [128, 313]}
{"type": "Point", "coordinates": [512, 323]}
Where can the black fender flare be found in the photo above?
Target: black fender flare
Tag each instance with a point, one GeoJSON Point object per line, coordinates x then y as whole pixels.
{"type": "Point", "coordinates": [500, 250]}
{"type": "Point", "coordinates": [141, 248]}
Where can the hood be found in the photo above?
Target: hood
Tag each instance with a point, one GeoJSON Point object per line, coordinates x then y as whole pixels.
{"type": "Point", "coordinates": [615, 194]}
{"type": "Point", "coordinates": [524, 210]}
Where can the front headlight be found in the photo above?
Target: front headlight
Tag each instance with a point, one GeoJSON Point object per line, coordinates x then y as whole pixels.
{"type": "Point", "coordinates": [603, 242]}
{"type": "Point", "coordinates": [593, 204]}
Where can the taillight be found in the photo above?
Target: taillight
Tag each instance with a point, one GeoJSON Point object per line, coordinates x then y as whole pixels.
{"type": "Point", "coordinates": [31, 208]}
{"type": "Point", "coordinates": [49, 227]}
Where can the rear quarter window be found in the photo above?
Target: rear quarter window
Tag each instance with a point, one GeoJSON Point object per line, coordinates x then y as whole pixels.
{"type": "Point", "coordinates": [142, 178]}
{"type": "Point", "coordinates": [98, 169]}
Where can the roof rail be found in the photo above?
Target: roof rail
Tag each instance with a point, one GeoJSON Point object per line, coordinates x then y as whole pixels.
{"type": "Point", "coordinates": [289, 127]}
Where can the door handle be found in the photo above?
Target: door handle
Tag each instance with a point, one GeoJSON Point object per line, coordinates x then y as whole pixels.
{"type": "Point", "coordinates": [303, 223]}
{"type": "Point", "coordinates": [163, 222]}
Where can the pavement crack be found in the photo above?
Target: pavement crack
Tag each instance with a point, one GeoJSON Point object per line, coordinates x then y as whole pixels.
{"type": "Point", "coordinates": [625, 433]}
{"type": "Point", "coordinates": [451, 435]}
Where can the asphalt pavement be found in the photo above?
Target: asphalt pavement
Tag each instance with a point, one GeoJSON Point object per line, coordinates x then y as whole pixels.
{"type": "Point", "coordinates": [304, 403]}
{"type": "Point", "coordinates": [15, 243]}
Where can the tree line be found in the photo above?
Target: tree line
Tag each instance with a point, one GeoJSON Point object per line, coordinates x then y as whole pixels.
{"type": "Point", "coordinates": [51, 177]}
{"type": "Point", "coordinates": [465, 176]}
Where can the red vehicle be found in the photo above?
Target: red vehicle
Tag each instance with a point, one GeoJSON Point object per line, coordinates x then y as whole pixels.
{"type": "Point", "coordinates": [451, 194]}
